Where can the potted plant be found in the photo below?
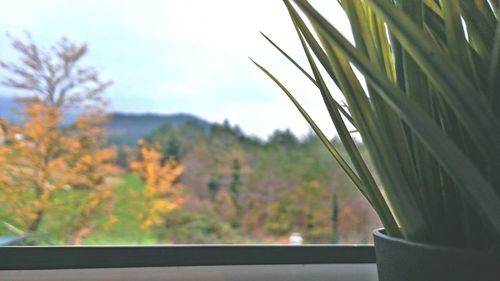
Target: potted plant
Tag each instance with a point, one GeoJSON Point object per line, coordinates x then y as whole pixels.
{"type": "Point", "coordinates": [427, 107]}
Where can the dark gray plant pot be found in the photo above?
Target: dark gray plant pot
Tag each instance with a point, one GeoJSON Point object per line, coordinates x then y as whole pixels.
{"type": "Point", "coordinates": [401, 260]}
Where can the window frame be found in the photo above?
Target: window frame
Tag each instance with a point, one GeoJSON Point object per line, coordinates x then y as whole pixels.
{"type": "Point", "coordinates": [78, 257]}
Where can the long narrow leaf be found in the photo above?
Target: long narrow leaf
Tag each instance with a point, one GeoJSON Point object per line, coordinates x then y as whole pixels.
{"type": "Point", "coordinates": [333, 151]}
{"type": "Point", "coordinates": [290, 59]}
{"type": "Point", "coordinates": [385, 159]}
{"type": "Point", "coordinates": [372, 190]}
{"type": "Point", "coordinates": [494, 72]}
{"type": "Point", "coordinates": [469, 103]}
{"type": "Point", "coordinates": [342, 110]}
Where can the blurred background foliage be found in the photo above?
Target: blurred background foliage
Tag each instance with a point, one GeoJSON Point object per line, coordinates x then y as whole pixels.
{"type": "Point", "coordinates": [147, 178]}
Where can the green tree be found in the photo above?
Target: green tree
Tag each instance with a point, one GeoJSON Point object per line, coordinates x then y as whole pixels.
{"type": "Point", "coordinates": [235, 184]}
{"type": "Point", "coordinates": [301, 209]}
{"type": "Point", "coordinates": [285, 139]}
{"type": "Point", "coordinates": [213, 186]}
{"type": "Point", "coordinates": [335, 219]}
{"type": "Point", "coordinates": [172, 149]}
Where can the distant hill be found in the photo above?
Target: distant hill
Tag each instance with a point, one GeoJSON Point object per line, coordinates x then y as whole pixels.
{"type": "Point", "coordinates": [8, 106]}
{"type": "Point", "coordinates": [127, 129]}
{"type": "Point", "coordinates": [176, 140]}
{"type": "Point", "coordinates": [123, 128]}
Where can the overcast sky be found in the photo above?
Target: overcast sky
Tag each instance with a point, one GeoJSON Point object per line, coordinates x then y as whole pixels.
{"type": "Point", "coordinates": [169, 56]}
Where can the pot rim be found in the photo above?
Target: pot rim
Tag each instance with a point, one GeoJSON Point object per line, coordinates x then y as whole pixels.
{"type": "Point", "coordinates": [380, 233]}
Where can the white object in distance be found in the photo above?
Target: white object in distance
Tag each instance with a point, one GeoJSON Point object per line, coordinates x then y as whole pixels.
{"type": "Point", "coordinates": [295, 239]}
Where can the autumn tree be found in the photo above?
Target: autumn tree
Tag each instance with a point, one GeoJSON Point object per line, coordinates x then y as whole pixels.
{"type": "Point", "coordinates": [55, 76]}
{"type": "Point", "coordinates": [301, 209]}
{"type": "Point", "coordinates": [3, 131]}
{"type": "Point", "coordinates": [162, 193]}
{"type": "Point", "coordinates": [225, 207]}
{"type": "Point", "coordinates": [92, 165]}
{"type": "Point", "coordinates": [46, 154]}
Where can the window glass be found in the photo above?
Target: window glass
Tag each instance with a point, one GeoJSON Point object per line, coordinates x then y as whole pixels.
{"type": "Point", "coordinates": [144, 122]}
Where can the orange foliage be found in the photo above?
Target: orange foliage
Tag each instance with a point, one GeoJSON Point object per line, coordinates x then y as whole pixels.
{"type": "Point", "coordinates": [162, 194]}
{"type": "Point", "coordinates": [41, 158]}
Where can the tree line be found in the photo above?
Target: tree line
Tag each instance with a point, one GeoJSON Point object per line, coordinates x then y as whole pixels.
{"type": "Point", "coordinates": [193, 185]}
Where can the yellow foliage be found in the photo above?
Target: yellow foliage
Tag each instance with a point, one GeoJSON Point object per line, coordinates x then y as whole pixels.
{"type": "Point", "coordinates": [162, 194]}
{"type": "Point", "coordinates": [112, 220]}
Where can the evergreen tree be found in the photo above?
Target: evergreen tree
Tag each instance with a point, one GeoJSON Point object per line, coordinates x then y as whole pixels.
{"type": "Point", "coordinates": [213, 186]}
{"type": "Point", "coordinates": [335, 219]}
{"type": "Point", "coordinates": [235, 185]}
{"type": "Point", "coordinates": [172, 149]}
{"type": "Point", "coordinates": [285, 138]}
